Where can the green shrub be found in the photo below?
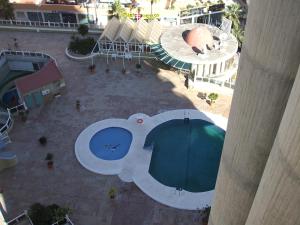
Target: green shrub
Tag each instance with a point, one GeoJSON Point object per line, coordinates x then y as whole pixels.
{"type": "Point", "coordinates": [49, 157]}
{"type": "Point", "coordinates": [189, 6]}
{"type": "Point", "coordinates": [213, 97]}
{"type": "Point", "coordinates": [43, 140]}
{"type": "Point", "coordinates": [83, 29]}
{"type": "Point", "coordinates": [47, 215]}
{"type": "Point", "coordinates": [112, 192]}
{"type": "Point", "coordinates": [82, 46]}
{"type": "Point", "coordinates": [150, 17]}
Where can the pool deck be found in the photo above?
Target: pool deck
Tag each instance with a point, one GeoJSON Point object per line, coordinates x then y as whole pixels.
{"type": "Point", "coordinates": [135, 165]}
{"type": "Point", "coordinates": [102, 95]}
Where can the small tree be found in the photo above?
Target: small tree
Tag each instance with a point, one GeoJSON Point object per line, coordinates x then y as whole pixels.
{"type": "Point", "coordinates": [6, 10]}
{"type": "Point", "coordinates": [118, 10]}
{"type": "Point", "coordinates": [83, 29]}
{"type": "Point", "coordinates": [213, 97]}
{"type": "Point", "coordinates": [152, 2]}
{"type": "Point", "coordinates": [234, 13]}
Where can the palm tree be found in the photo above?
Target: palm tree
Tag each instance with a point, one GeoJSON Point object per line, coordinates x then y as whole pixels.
{"type": "Point", "coordinates": [118, 10]}
{"type": "Point", "coordinates": [234, 12]}
{"type": "Point", "coordinates": [6, 10]}
{"type": "Point", "coordinates": [152, 2]}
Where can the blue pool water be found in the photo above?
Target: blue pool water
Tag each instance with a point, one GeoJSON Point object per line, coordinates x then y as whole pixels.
{"type": "Point", "coordinates": [111, 143]}
{"type": "Point", "coordinates": [186, 155]}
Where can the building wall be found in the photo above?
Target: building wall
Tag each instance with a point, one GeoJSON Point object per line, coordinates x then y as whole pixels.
{"type": "Point", "coordinates": [277, 200]}
{"type": "Point", "coordinates": [4, 69]}
{"type": "Point", "coordinates": [42, 95]}
{"type": "Point", "coordinates": [268, 65]}
{"type": "Point", "coordinates": [62, 13]}
{"type": "Point", "coordinates": [20, 65]}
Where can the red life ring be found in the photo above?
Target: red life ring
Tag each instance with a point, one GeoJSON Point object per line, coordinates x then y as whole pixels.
{"type": "Point", "coordinates": [139, 120]}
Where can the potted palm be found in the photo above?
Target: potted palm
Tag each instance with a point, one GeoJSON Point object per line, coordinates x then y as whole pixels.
{"type": "Point", "coordinates": [112, 193]}
{"type": "Point", "coordinates": [138, 66]}
{"type": "Point", "coordinates": [212, 98]}
{"type": "Point", "coordinates": [92, 68]}
{"type": "Point", "coordinates": [49, 159]}
{"type": "Point", "coordinates": [43, 140]}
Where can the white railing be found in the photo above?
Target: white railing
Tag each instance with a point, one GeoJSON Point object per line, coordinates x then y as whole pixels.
{"type": "Point", "coordinates": [6, 52]}
{"type": "Point", "coordinates": [64, 221]}
{"type": "Point", "coordinates": [8, 124]}
{"type": "Point", "coordinates": [41, 24]}
{"type": "Point", "coordinates": [193, 18]}
{"type": "Point", "coordinates": [18, 108]}
{"type": "Point", "coordinates": [17, 219]}
{"type": "Point", "coordinates": [20, 218]}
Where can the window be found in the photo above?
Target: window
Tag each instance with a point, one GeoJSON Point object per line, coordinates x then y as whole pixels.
{"type": "Point", "coordinates": [69, 18]}
{"type": "Point", "coordinates": [35, 16]}
{"type": "Point", "coordinates": [52, 17]}
{"type": "Point", "coordinates": [20, 15]}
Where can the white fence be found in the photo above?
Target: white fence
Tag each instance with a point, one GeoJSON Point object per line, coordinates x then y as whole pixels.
{"type": "Point", "coordinates": [56, 26]}
{"type": "Point", "coordinates": [26, 53]}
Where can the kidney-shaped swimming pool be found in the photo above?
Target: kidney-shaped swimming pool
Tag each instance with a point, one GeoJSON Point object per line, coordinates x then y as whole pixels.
{"type": "Point", "coordinates": [186, 154]}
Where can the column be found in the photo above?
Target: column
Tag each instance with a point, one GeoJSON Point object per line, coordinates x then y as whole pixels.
{"type": "Point", "coordinates": [277, 200]}
{"type": "Point", "coordinates": [267, 69]}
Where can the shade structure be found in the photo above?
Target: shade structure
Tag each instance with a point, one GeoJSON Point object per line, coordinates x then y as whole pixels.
{"type": "Point", "coordinates": [163, 56]}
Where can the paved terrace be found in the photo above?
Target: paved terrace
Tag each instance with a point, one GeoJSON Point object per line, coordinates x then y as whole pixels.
{"type": "Point", "coordinates": [102, 96]}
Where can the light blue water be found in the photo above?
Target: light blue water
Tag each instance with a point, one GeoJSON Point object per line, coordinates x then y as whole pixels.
{"type": "Point", "coordinates": [111, 143]}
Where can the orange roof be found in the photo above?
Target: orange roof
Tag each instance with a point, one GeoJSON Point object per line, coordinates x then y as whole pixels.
{"type": "Point", "coordinates": [48, 74]}
{"type": "Point", "coordinates": [200, 38]}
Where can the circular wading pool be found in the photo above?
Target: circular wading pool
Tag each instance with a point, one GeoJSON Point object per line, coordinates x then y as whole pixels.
{"type": "Point", "coordinates": [111, 143]}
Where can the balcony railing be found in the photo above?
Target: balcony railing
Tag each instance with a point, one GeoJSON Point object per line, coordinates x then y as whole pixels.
{"type": "Point", "coordinates": [40, 24]}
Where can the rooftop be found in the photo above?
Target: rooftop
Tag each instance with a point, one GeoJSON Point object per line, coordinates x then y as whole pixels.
{"type": "Point", "coordinates": [173, 42]}
{"type": "Point", "coordinates": [47, 74]}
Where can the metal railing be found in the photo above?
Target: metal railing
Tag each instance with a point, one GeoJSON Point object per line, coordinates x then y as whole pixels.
{"type": "Point", "coordinates": [8, 123]}
{"type": "Point", "coordinates": [25, 54]}
{"type": "Point", "coordinates": [64, 221]}
{"type": "Point", "coordinates": [19, 108]}
{"type": "Point", "coordinates": [41, 24]}
{"type": "Point", "coordinates": [207, 18]}
{"type": "Point", "coordinates": [20, 218]}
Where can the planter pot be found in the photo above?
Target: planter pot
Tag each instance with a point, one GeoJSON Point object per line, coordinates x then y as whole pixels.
{"type": "Point", "coordinates": [112, 197]}
{"type": "Point", "coordinates": [50, 165]}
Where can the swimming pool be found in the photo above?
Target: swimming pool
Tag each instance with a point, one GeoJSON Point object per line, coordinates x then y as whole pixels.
{"type": "Point", "coordinates": [111, 143]}
{"type": "Point", "coordinates": [186, 154]}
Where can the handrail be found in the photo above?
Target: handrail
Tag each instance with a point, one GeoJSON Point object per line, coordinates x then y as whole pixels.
{"type": "Point", "coordinates": [7, 124]}
{"type": "Point", "coordinates": [64, 221]}
{"type": "Point", "coordinates": [17, 218]}
{"type": "Point", "coordinates": [26, 53]}
{"type": "Point", "coordinates": [45, 24]}
{"type": "Point", "coordinates": [17, 107]}
{"type": "Point", "coordinates": [200, 15]}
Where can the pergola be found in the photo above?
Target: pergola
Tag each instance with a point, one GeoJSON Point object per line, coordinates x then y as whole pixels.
{"type": "Point", "coordinates": [124, 38]}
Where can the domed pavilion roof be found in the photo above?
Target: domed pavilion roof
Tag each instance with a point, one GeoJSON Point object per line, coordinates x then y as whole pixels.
{"type": "Point", "coordinates": [200, 38]}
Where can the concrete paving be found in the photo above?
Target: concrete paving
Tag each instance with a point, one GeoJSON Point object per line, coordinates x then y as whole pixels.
{"type": "Point", "coordinates": [102, 95]}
